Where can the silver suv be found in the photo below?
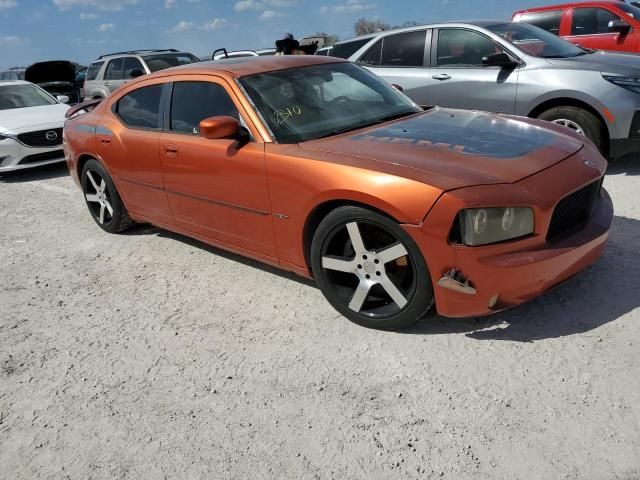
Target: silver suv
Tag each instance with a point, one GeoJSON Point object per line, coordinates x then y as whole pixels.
{"type": "Point", "coordinates": [110, 71]}
{"type": "Point", "coordinates": [511, 68]}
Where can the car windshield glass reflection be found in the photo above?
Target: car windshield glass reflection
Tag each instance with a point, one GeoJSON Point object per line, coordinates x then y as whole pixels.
{"type": "Point", "coordinates": [536, 42]}
{"type": "Point", "coordinates": [312, 102]}
{"type": "Point", "coordinates": [21, 96]}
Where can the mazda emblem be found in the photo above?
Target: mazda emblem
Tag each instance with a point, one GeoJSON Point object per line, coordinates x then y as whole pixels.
{"type": "Point", "coordinates": [51, 135]}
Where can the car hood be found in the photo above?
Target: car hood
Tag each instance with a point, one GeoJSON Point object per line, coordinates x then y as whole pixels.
{"type": "Point", "coordinates": [54, 71]}
{"type": "Point", "coordinates": [620, 63]}
{"type": "Point", "coordinates": [16, 119]}
{"type": "Point", "coordinates": [457, 148]}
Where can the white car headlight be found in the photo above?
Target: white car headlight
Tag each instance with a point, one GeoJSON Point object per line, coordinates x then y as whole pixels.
{"type": "Point", "coordinates": [482, 226]}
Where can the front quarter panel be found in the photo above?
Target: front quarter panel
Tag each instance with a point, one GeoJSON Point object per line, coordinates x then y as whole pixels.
{"type": "Point", "coordinates": [298, 186]}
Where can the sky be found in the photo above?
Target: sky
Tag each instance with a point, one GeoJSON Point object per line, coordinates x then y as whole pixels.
{"type": "Point", "coordinates": [80, 30]}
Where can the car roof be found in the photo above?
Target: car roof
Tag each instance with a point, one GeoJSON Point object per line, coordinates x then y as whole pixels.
{"type": "Point", "coordinates": [243, 66]}
{"type": "Point", "coordinates": [453, 23]}
{"type": "Point", "coordinates": [14, 82]}
{"type": "Point", "coordinates": [560, 6]}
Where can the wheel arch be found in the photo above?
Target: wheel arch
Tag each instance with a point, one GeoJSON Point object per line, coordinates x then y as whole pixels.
{"type": "Point", "coordinates": [573, 102]}
{"type": "Point", "coordinates": [319, 213]}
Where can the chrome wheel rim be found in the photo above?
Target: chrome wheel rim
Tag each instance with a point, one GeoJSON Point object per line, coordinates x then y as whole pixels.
{"type": "Point", "coordinates": [97, 196]}
{"type": "Point", "coordinates": [368, 269]}
{"type": "Point", "coordinates": [569, 124]}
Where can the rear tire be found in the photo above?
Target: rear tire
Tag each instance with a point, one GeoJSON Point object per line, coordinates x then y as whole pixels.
{"type": "Point", "coordinates": [578, 120]}
{"type": "Point", "coordinates": [102, 198]}
{"type": "Point", "coordinates": [370, 269]}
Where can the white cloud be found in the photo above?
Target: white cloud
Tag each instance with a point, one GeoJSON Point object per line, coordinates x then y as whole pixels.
{"type": "Point", "coordinates": [106, 5]}
{"type": "Point", "coordinates": [8, 4]}
{"type": "Point", "coordinates": [12, 41]}
{"type": "Point", "coordinates": [215, 24]}
{"type": "Point", "coordinates": [243, 5]}
{"type": "Point", "coordinates": [350, 6]}
{"type": "Point", "coordinates": [270, 14]}
{"type": "Point", "coordinates": [169, 3]}
{"type": "Point", "coordinates": [89, 16]}
{"type": "Point", "coordinates": [182, 26]}
{"type": "Point", "coordinates": [105, 27]}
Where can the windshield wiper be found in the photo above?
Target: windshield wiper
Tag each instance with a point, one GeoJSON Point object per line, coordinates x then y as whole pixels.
{"type": "Point", "coordinates": [351, 128]}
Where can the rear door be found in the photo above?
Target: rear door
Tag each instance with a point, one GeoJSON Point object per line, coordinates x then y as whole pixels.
{"type": "Point", "coordinates": [400, 59]}
{"type": "Point", "coordinates": [590, 29]}
{"type": "Point", "coordinates": [114, 74]}
{"type": "Point", "coordinates": [458, 79]}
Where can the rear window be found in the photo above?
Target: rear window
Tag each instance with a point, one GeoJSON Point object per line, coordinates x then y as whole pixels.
{"type": "Point", "coordinates": [140, 108]}
{"type": "Point", "coordinates": [345, 50]}
{"type": "Point", "coordinates": [168, 60]}
{"type": "Point", "coordinates": [549, 21]}
{"type": "Point", "coordinates": [92, 71]}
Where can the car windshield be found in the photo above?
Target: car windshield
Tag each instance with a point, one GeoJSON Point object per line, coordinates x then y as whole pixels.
{"type": "Point", "coordinates": [535, 41]}
{"type": "Point", "coordinates": [630, 10]}
{"type": "Point", "coordinates": [168, 60]}
{"type": "Point", "coordinates": [22, 96]}
{"type": "Point", "coordinates": [307, 103]}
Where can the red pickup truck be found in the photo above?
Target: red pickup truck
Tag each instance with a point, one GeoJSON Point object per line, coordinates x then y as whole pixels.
{"type": "Point", "coordinates": [602, 25]}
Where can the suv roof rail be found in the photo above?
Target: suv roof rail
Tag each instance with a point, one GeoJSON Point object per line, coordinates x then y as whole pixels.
{"type": "Point", "coordinates": [131, 52]}
{"type": "Point", "coordinates": [223, 50]}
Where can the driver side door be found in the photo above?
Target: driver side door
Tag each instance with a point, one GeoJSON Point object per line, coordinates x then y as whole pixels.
{"type": "Point", "coordinates": [458, 79]}
{"type": "Point", "coordinates": [215, 188]}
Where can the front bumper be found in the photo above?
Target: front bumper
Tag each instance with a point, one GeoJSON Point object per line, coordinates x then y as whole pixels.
{"type": "Point", "coordinates": [16, 156]}
{"type": "Point", "coordinates": [507, 274]}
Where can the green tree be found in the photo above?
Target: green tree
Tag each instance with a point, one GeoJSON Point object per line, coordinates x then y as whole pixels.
{"type": "Point", "coordinates": [364, 26]}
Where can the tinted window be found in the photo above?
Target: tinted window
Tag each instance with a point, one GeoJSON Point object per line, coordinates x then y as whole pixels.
{"type": "Point", "coordinates": [549, 21]}
{"type": "Point", "coordinates": [192, 102]}
{"type": "Point", "coordinates": [345, 50]}
{"type": "Point", "coordinates": [141, 107]}
{"type": "Point", "coordinates": [591, 21]}
{"type": "Point", "coordinates": [131, 63]}
{"type": "Point", "coordinates": [372, 56]}
{"type": "Point", "coordinates": [630, 10]}
{"type": "Point", "coordinates": [463, 48]}
{"type": "Point", "coordinates": [403, 49]}
{"type": "Point", "coordinates": [114, 70]}
{"type": "Point", "coordinates": [167, 60]}
{"type": "Point", "coordinates": [92, 71]}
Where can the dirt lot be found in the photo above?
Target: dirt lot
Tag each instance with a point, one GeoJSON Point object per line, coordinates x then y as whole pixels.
{"type": "Point", "coordinates": [149, 355]}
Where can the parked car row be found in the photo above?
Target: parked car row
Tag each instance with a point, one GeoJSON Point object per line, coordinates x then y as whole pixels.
{"type": "Point", "coordinates": [513, 68]}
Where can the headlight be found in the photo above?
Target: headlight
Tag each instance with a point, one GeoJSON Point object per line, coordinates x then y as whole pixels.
{"type": "Point", "coordinates": [630, 83]}
{"type": "Point", "coordinates": [482, 226]}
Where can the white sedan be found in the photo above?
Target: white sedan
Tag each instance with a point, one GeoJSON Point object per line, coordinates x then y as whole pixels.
{"type": "Point", "coordinates": [31, 122]}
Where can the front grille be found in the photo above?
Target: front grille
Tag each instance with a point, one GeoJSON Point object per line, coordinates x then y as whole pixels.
{"type": "Point", "coordinates": [42, 138]}
{"type": "Point", "coordinates": [573, 210]}
{"type": "Point", "coordinates": [42, 157]}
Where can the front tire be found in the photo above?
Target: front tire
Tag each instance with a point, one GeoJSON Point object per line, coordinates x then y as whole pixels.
{"type": "Point", "coordinates": [102, 198]}
{"type": "Point", "coordinates": [579, 120]}
{"type": "Point", "coordinates": [370, 269]}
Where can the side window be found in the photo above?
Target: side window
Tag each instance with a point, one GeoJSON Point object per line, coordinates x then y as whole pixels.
{"type": "Point", "coordinates": [549, 21]}
{"type": "Point", "coordinates": [404, 49]}
{"type": "Point", "coordinates": [372, 56]}
{"type": "Point", "coordinates": [345, 50]}
{"type": "Point", "coordinates": [463, 48]}
{"type": "Point", "coordinates": [130, 64]}
{"type": "Point", "coordinates": [591, 21]}
{"type": "Point", "coordinates": [114, 70]}
{"type": "Point", "coordinates": [140, 108]}
{"type": "Point", "coordinates": [192, 102]}
{"type": "Point", "coordinates": [92, 71]}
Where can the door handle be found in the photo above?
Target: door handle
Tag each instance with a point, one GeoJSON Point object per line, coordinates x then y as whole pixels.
{"type": "Point", "coordinates": [441, 76]}
{"type": "Point", "coordinates": [106, 84]}
{"type": "Point", "coordinates": [171, 150]}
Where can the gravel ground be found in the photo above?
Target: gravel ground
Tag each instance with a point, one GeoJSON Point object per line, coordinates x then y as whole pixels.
{"type": "Point", "coordinates": [149, 355]}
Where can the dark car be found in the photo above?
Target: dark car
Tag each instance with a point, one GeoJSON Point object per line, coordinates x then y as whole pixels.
{"type": "Point", "coordinates": [56, 77]}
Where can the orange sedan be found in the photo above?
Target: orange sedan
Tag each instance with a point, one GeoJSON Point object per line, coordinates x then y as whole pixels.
{"type": "Point", "coordinates": [317, 166]}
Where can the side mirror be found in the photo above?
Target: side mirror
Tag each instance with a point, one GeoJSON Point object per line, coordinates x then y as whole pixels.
{"type": "Point", "coordinates": [135, 73]}
{"type": "Point", "coordinates": [619, 26]}
{"type": "Point", "coordinates": [397, 87]}
{"type": "Point", "coordinates": [215, 128]}
{"type": "Point", "coordinates": [499, 59]}
{"type": "Point", "coordinates": [62, 98]}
